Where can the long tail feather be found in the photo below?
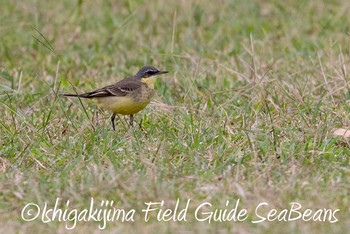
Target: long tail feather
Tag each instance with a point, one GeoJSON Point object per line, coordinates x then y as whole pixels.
{"type": "Point", "coordinates": [84, 95]}
{"type": "Point", "coordinates": [69, 95]}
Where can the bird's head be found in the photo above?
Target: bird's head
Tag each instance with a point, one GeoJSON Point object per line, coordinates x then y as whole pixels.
{"type": "Point", "coordinates": [149, 71]}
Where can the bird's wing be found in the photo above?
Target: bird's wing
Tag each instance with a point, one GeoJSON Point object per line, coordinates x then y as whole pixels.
{"type": "Point", "coordinates": [122, 88]}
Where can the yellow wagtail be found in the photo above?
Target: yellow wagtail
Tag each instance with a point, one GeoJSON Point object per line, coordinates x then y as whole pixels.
{"type": "Point", "coordinates": [128, 96]}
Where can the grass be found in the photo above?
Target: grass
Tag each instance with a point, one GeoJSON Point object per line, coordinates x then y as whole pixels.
{"type": "Point", "coordinates": [255, 91]}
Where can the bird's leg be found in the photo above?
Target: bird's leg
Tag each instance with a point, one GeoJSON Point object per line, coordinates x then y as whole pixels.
{"type": "Point", "coordinates": [112, 119]}
{"type": "Point", "coordinates": [131, 120]}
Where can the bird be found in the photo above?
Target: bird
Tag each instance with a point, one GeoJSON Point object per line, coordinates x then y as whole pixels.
{"type": "Point", "coordinates": [126, 97]}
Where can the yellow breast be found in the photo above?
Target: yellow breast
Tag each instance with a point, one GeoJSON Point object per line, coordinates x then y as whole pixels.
{"type": "Point", "coordinates": [121, 105]}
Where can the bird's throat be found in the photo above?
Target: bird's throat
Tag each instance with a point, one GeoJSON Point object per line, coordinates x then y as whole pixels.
{"type": "Point", "coordinates": [149, 81]}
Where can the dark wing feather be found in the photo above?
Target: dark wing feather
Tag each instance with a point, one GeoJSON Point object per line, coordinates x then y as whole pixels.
{"type": "Point", "coordinates": [121, 88]}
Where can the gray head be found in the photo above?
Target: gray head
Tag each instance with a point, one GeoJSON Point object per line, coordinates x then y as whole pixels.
{"type": "Point", "coordinates": [148, 71]}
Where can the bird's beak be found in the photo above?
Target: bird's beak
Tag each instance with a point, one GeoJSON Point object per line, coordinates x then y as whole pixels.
{"type": "Point", "coordinates": [161, 72]}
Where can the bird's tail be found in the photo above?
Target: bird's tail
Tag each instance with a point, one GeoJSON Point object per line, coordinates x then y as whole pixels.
{"type": "Point", "coordinates": [69, 95]}
{"type": "Point", "coordinates": [74, 95]}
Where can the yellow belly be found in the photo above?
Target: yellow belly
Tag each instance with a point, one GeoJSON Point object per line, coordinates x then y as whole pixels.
{"type": "Point", "coordinates": [121, 105]}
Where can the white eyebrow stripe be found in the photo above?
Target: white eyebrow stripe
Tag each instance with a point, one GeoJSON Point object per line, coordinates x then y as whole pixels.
{"type": "Point", "coordinates": [152, 70]}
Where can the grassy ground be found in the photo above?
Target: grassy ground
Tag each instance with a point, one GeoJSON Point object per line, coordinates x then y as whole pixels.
{"type": "Point", "coordinates": [248, 110]}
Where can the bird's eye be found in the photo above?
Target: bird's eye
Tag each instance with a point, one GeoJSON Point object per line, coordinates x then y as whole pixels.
{"type": "Point", "coordinates": [150, 72]}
